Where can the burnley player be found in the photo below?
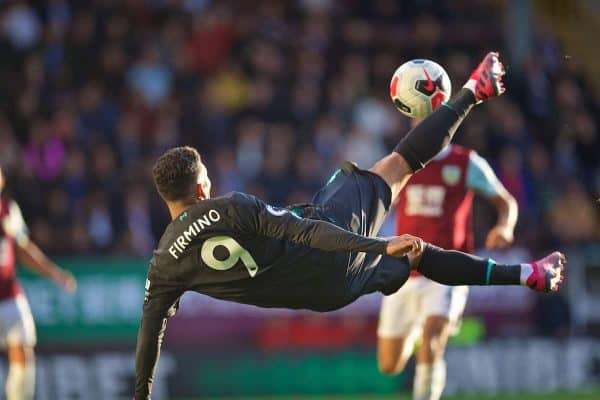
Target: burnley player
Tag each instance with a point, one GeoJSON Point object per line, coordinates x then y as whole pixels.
{"type": "Point", "coordinates": [17, 330]}
{"type": "Point", "coordinates": [320, 256]}
{"type": "Point", "coordinates": [435, 205]}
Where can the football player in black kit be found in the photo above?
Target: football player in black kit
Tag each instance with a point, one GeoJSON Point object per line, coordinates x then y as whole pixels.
{"type": "Point", "coordinates": [321, 256]}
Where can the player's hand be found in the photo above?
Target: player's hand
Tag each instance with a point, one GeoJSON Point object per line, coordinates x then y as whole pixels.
{"type": "Point", "coordinates": [499, 237]}
{"type": "Point", "coordinates": [66, 280]}
{"type": "Point", "coordinates": [400, 246]}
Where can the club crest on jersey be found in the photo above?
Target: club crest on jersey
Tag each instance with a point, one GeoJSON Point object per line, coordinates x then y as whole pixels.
{"type": "Point", "coordinates": [276, 211]}
{"type": "Point", "coordinates": [451, 174]}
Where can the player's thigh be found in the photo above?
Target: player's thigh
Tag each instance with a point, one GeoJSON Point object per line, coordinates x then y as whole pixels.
{"type": "Point", "coordinates": [399, 327]}
{"type": "Point", "coordinates": [438, 299]}
{"type": "Point", "coordinates": [394, 170]}
{"type": "Point", "coordinates": [446, 301]}
{"type": "Point", "coordinates": [434, 339]}
{"type": "Point", "coordinates": [443, 307]}
{"type": "Point", "coordinates": [399, 312]}
{"type": "Point", "coordinates": [436, 329]}
{"type": "Point", "coordinates": [355, 199]}
{"type": "Point", "coordinates": [389, 354]}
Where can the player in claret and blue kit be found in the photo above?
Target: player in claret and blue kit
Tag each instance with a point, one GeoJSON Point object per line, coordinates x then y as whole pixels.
{"type": "Point", "coordinates": [435, 205]}
{"type": "Point", "coordinates": [321, 256]}
{"type": "Point", "coordinates": [17, 330]}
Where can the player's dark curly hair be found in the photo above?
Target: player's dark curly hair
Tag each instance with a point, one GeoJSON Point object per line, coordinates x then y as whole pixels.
{"type": "Point", "coordinates": [176, 173]}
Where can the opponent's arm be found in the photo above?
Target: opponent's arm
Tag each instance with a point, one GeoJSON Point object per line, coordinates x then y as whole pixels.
{"type": "Point", "coordinates": [256, 217]}
{"type": "Point", "coordinates": [31, 255]}
{"type": "Point", "coordinates": [157, 308]}
{"type": "Point", "coordinates": [482, 179]}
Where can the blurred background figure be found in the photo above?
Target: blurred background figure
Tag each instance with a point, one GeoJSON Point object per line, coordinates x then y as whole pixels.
{"type": "Point", "coordinates": [17, 329]}
{"type": "Point", "coordinates": [436, 206]}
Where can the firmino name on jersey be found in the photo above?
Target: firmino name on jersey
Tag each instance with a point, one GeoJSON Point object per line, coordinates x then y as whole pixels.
{"type": "Point", "coordinates": [192, 231]}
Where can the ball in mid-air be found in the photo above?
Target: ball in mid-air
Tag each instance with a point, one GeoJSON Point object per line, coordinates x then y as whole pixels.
{"type": "Point", "coordinates": [418, 87]}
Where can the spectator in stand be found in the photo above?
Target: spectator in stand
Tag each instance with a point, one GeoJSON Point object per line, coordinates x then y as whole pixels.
{"type": "Point", "coordinates": [93, 90]}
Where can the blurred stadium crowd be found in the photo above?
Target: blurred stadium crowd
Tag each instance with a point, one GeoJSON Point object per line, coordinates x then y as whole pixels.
{"type": "Point", "coordinates": [274, 94]}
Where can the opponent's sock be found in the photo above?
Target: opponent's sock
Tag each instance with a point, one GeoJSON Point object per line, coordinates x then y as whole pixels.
{"type": "Point", "coordinates": [20, 383]}
{"type": "Point", "coordinates": [422, 382]}
{"type": "Point", "coordinates": [429, 381]}
{"type": "Point", "coordinates": [452, 267]}
{"type": "Point", "coordinates": [438, 379]}
{"type": "Point", "coordinates": [427, 139]}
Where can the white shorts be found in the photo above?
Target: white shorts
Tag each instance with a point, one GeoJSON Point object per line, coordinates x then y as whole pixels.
{"type": "Point", "coordinates": [16, 323]}
{"type": "Point", "coordinates": [404, 312]}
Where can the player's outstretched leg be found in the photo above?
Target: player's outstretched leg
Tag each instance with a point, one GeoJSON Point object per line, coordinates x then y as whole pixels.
{"type": "Point", "coordinates": [427, 139]}
{"type": "Point", "coordinates": [451, 267]}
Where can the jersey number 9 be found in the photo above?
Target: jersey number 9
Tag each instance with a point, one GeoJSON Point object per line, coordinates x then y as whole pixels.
{"type": "Point", "coordinates": [236, 253]}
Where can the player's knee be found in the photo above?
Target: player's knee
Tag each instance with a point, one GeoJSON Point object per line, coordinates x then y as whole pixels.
{"type": "Point", "coordinates": [20, 354]}
{"type": "Point", "coordinates": [390, 359]}
{"type": "Point", "coordinates": [389, 365]}
{"type": "Point", "coordinates": [394, 169]}
{"type": "Point", "coordinates": [435, 337]}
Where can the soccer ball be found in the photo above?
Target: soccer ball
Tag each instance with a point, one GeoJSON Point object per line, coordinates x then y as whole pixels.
{"type": "Point", "coordinates": [418, 87]}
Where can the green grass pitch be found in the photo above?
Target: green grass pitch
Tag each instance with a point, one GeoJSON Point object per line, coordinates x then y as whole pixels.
{"type": "Point", "coordinates": [580, 395]}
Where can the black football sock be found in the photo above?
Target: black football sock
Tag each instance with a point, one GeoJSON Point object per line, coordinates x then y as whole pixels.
{"type": "Point", "coordinates": [452, 267]}
{"type": "Point", "coordinates": [433, 134]}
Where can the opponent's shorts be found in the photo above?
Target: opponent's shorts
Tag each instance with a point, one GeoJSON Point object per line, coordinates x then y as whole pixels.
{"type": "Point", "coordinates": [16, 322]}
{"type": "Point", "coordinates": [404, 312]}
{"type": "Point", "coordinates": [359, 200]}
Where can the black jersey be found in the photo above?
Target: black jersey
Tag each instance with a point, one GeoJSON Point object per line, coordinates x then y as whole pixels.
{"type": "Point", "coordinates": [238, 248]}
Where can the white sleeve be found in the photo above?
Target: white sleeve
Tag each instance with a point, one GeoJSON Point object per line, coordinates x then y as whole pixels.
{"type": "Point", "coordinates": [481, 177]}
{"type": "Point", "coordinates": [14, 224]}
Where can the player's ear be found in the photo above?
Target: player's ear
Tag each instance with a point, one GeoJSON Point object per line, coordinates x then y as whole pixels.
{"type": "Point", "coordinates": [199, 192]}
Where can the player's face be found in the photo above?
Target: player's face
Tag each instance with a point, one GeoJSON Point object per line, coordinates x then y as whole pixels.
{"type": "Point", "coordinates": [204, 183]}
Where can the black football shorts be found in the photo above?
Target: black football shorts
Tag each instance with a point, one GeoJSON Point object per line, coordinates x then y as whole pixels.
{"type": "Point", "coordinates": [359, 200]}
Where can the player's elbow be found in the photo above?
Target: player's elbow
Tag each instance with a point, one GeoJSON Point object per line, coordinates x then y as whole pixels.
{"type": "Point", "coordinates": [505, 204]}
{"type": "Point", "coordinates": [512, 203]}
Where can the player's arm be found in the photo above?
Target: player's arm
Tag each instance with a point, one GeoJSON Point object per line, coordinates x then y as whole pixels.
{"type": "Point", "coordinates": [482, 179]}
{"type": "Point", "coordinates": [256, 217]}
{"type": "Point", "coordinates": [32, 256]}
{"type": "Point", "coordinates": [157, 308]}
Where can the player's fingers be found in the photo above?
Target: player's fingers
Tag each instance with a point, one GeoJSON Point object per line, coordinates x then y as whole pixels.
{"type": "Point", "coordinates": [420, 246]}
{"type": "Point", "coordinates": [403, 245]}
{"type": "Point", "coordinates": [416, 246]}
{"type": "Point", "coordinates": [69, 284]}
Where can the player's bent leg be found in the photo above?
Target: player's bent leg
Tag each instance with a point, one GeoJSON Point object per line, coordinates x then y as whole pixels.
{"type": "Point", "coordinates": [436, 330]}
{"type": "Point", "coordinates": [398, 328]}
{"type": "Point", "coordinates": [430, 373]}
{"type": "Point", "coordinates": [20, 383]}
{"type": "Point", "coordinates": [392, 355]}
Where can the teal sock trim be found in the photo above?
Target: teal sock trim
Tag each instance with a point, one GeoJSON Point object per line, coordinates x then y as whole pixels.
{"type": "Point", "coordinates": [335, 174]}
{"type": "Point", "coordinates": [449, 107]}
{"type": "Point", "coordinates": [488, 274]}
